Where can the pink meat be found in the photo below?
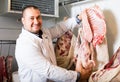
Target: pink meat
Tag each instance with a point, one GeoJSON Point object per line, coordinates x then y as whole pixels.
{"type": "Point", "coordinates": [64, 50]}
{"type": "Point", "coordinates": [1, 69]}
{"type": "Point", "coordinates": [63, 44]}
{"type": "Point", "coordinates": [83, 51]}
{"type": "Point", "coordinates": [9, 60]}
{"type": "Point", "coordinates": [112, 68]}
{"type": "Point", "coordinates": [97, 24]}
{"type": "Point", "coordinates": [86, 27]}
{"type": "Point", "coordinates": [3, 74]}
{"type": "Point", "coordinates": [85, 55]}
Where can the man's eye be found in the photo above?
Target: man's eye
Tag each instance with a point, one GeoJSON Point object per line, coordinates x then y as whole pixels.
{"type": "Point", "coordinates": [39, 17]}
{"type": "Point", "coordinates": [32, 18]}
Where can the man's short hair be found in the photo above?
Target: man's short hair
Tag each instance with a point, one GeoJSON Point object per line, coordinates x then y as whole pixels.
{"type": "Point", "coordinates": [29, 6]}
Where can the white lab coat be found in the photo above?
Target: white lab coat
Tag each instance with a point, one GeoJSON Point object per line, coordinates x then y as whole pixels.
{"type": "Point", "coordinates": [36, 58]}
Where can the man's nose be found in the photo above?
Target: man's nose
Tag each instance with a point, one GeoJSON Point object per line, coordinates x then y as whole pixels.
{"type": "Point", "coordinates": [36, 21]}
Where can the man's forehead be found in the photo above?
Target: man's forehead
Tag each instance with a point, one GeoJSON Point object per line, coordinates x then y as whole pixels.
{"type": "Point", "coordinates": [31, 12]}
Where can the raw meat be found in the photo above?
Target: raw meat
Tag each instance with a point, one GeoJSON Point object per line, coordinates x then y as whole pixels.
{"type": "Point", "coordinates": [83, 51]}
{"type": "Point", "coordinates": [94, 32]}
{"type": "Point", "coordinates": [64, 50]}
{"type": "Point", "coordinates": [110, 72]}
{"type": "Point", "coordinates": [8, 61]}
{"type": "Point", "coordinates": [86, 27]}
{"type": "Point", "coordinates": [3, 74]}
{"type": "Point", "coordinates": [97, 24]}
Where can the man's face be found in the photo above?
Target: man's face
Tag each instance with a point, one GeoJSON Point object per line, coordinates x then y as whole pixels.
{"type": "Point", "coordinates": [32, 20]}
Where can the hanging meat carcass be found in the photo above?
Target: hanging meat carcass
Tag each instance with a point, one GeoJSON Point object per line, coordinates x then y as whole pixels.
{"type": "Point", "coordinates": [97, 24]}
{"type": "Point", "coordinates": [9, 60]}
{"type": "Point", "coordinates": [87, 32]}
{"type": "Point", "coordinates": [3, 74]}
{"type": "Point", "coordinates": [84, 51]}
{"type": "Point", "coordinates": [94, 32]}
{"type": "Point", "coordinates": [64, 50]}
{"type": "Point", "coordinates": [110, 72]}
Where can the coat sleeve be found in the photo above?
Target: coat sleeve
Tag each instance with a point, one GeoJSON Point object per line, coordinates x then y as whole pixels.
{"type": "Point", "coordinates": [62, 27]}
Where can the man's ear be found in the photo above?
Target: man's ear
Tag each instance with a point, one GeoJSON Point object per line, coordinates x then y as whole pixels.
{"type": "Point", "coordinates": [22, 20]}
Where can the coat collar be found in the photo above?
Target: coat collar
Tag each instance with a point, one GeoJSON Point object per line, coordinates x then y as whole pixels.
{"type": "Point", "coordinates": [32, 34]}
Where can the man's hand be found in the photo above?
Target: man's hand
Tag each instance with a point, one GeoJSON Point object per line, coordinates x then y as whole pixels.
{"type": "Point", "coordinates": [84, 73]}
{"type": "Point", "coordinates": [80, 16]}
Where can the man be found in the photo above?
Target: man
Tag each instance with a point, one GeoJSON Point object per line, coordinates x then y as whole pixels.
{"type": "Point", "coordinates": [35, 53]}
